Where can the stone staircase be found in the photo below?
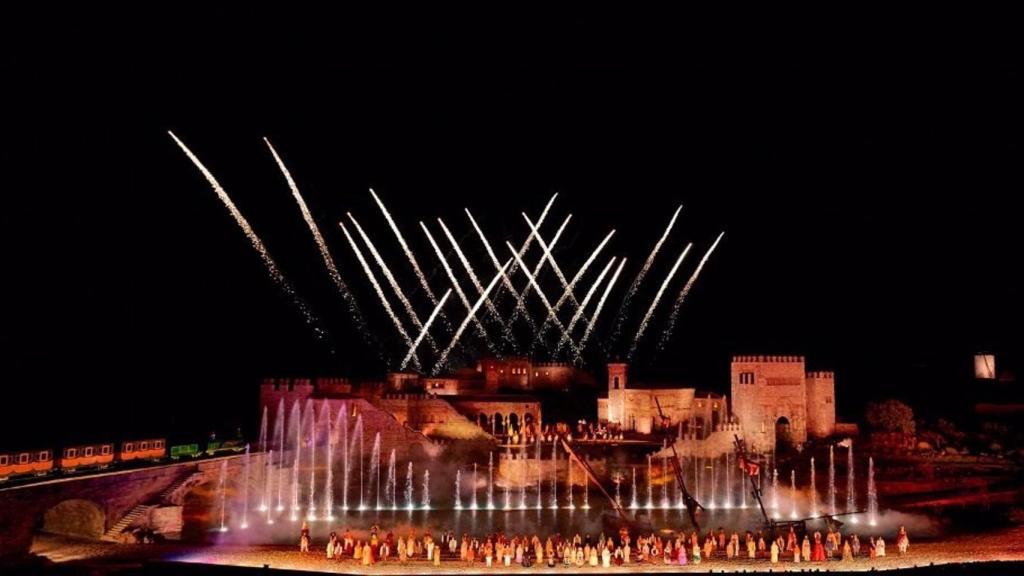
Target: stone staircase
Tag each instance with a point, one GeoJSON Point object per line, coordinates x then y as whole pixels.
{"type": "Point", "coordinates": [115, 531]}
{"type": "Point", "coordinates": [175, 493]}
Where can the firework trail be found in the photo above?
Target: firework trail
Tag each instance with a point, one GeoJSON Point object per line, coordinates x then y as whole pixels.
{"type": "Point", "coordinates": [472, 314]}
{"type": "Point", "coordinates": [399, 293]}
{"type": "Point", "coordinates": [521, 304]}
{"type": "Point", "coordinates": [268, 262]}
{"type": "Point", "coordinates": [425, 329]}
{"type": "Point", "coordinates": [526, 245]}
{"type": "Point", "coordinates": [635, 286]}
{"type": "Point", "coordinates": [455, 284]}
{"type": "Point", "coordinates": [409, 255]}
{"type": "Point", "coordinates": [600, 304]}
{"type": "Point", "coordinates": [540, 294]}
{"type": "Point", "coordinates": [506, 281]}
{"type": "Point", "coordinates": [469, 270]}
{"type": "Point", "coordinates": [552, 313]}
{"type": "Point", "coordinates": [682, 294]}
{"type": "Point", "coordinates": [583, 305]}
{"type": "Point", "coordinates": [654, 303]}
{"type": "Point", "coordinates": [549, 256]}
{"type": "Point", "coordinates": [380, 292]}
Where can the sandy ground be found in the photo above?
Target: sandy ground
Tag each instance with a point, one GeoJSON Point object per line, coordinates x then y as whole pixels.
{"type": "Point", "coordinates": [1005, 545]}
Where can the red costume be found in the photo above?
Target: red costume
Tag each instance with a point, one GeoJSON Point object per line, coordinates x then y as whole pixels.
{"type": "Point", "coordinates": [818, 552]}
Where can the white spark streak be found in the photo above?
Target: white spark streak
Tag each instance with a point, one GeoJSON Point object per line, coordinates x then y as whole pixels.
{"type": "Point", "coordinates": [455, 284]}
{"type": "Point", "coordinates": [572, 283]}
{"type": "Point", "coordinates": [583, 305]}
{"type": "Point", "coordinates": [635, 286]}
{"type": "Point", "coordinates": [654, 303]}
{"type": "Point", "coordinates": [504, 277]}
{"type": "Point", "coordinates": [399, 293]}
{"type": "Point", "coordinates": [425, 329]}
{"type": "Point", "coordinates": [521, 304]}
{"type": "Point", "coordinates": [257, 244]}
{"type": "Point", "coordinates": [600, 304]}
{"type": "Point", "coordinates": [540, 294]}
{"type": "Point", "coordinates": [682, 294]}
{"type": "Point", "coordinates": [380, 292]}
{"type": "Point", "coordinates": [469, 270]}
{"type": "Point", "coordinates": [472, 314]}
{"type": "Point", "coordinates": [408, 252]}
{"type": "Point", "coordinates": [526, 246]}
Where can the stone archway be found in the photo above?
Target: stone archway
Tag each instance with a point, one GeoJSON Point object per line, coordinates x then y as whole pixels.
{"type": "Point", "coordinates": [499, 423]}
{"type": "Point", "coordinates": [783, 436]}
{"type": "Point", "coordinates": [80, 518]}
{"type": "Point", "coordinates": [513, 422]}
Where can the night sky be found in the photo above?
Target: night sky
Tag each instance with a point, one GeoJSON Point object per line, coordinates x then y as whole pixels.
{"type": "Point", "coordinates": [867, 191]}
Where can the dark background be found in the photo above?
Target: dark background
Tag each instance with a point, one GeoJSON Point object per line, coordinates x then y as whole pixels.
{"type": "Point", "coordinates": [866, 183]}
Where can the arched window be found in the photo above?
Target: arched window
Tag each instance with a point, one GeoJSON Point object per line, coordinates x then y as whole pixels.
{"type": "Point", "coordinates": [616, 382]}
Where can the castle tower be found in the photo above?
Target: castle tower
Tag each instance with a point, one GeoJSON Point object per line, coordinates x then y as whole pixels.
{"type": "Point", "coordinates": [618, 376]}
{"type": "Point", "coordinates": [821, 404]}
{"type": "Point", "coordinates": [769, 398]}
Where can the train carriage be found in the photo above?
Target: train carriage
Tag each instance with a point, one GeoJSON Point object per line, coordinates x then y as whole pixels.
{"type": "Point", "coordinates": [151, 449]}
{"type": "Point", "coordinates": [37, 462]}
{"type": "Point", "coordinates": [92, 455]}
{"type": "Point", "coordinates": [185, 450]}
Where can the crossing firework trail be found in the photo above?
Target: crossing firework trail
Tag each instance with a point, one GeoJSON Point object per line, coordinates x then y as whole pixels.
{"type": "Point", "coordinates": [409, 254]}
{"type": "Point", "coordinates": [635, 286]}
{"type": "Point", "coordinates": [472, 314]}
{"type": "Point", "coordinates": [526, 246]}
{"type": "Point", "coordinates": [268, 262]}
{"type": "Point", "coordinates": [521, 305]}
{"type": "Point", "coordinates": [455, 284]}
{"type": "Point", "coordinates": [600, 304]}
{"type": "Point", "coordinates": [469, 270]}
{"type": "Point", "coordinates": [380, 292]}
{"type": "Point", "coordinates": [399, 293]}
{"type": "Point", "coordinates": [654, 303]}
{"type": "Point", "coordinates": [425, 329]}
{"type": "Point", "coordinates": [583, 305]}
{"type": "Point", "coordinates": [550, 257]}
{"type": "Point", "coordinates": [506, 281]}
{"type": "Point", "coordinates": [543, 298]}
{"type": "Point", "coordinates": [553, 312]}
{"type": "Point", "coordinates": [667, 334]}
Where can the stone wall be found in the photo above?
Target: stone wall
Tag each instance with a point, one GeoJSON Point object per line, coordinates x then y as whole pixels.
{"type": "Point", "coordinates": [821, 407]}
{"type": "Point", "coordinates": [767, 389]}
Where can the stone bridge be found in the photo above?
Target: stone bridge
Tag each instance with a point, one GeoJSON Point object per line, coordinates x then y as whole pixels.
{"type": "Point", "coordinates": [101, 504]}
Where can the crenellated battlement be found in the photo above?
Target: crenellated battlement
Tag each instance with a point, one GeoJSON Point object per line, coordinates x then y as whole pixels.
{"type": "Point", "coordinates": [822, 375]}
{"type": "Point", "coordinates": [779, 359]}
{"type": "Point", "coordinates": [287, 383]}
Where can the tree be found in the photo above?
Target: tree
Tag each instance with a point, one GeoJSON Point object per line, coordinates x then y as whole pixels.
{"type": "Point", "coordinates": [890, 416]}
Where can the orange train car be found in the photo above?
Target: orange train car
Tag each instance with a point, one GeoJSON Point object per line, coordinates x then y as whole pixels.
{"type": "Point", "coordinates": [151, 449]}
{"type": "Point", "coordinates": [92, 455]}
{"type": "Point", "coordinates": [37, 462]}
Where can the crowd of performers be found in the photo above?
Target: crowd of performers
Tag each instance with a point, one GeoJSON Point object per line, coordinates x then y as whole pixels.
{"type": "Point", "coordinates": [680, 549]}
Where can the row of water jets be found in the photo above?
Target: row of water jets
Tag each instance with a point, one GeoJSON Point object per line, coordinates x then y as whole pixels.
{"type": "Point", "coordinates": [280, 482]}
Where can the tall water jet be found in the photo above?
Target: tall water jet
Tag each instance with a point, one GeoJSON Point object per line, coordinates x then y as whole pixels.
{"type": "Point", "coordinates": [508, 495]}
{"type": "Point", "coordinates": [223, 496]}
{"type": "Point", "coordinates": [664, 482]}
{"type": "Point", "coordinates": [554, 473]}
{"type": "Point", "coordinates": [458, 488]}
{"type": "Point", "coordinates": [586, 491]}
{"type": "Point", "coordinates": [296, 423]}
{"type": "Point", "coordinates": [831, 480]}
{"type": "Point", "coordinates": [696, 477]}
{"type": "Point", "coordinates": [618, 489]}
{"type": "Point", "coordinates": [473, 503]}
{"type": "Point", "coordinates": [743, 488]}
{"type": "Point", "coordinates": [409, 505]}
{"type": "Point", "coordinates": [329, 459]}
{"type": "Point", "coordinates": [522, 485]}
{"type": "Point", "coordinates": [775, 489]}
{"type": "Point", "coordinates": [342, 427]}
{"type": "Point", "coordinates": [650, 483]}
{"type": "Point", "coordinates": [357, 435]}
{"type": "Point", "coordinates": [851, 488]}
{"type": "Point", "coordinates": [245, 490]}
{"type": "Point", "coordinates": [375, 469]}
{"type": "Point", "coordinates": [714, 485]}
{"type": "Point", "coordinates": [391, 486]}
{"type": "Point", "coordinates": [279, 434]}
{"type": "Point", "coordinates": [872, 493]}
{"type": "Point", "coordinates": [792, 490]}
{"type": "Point", "coordinates": [540, 462]}
{"type": "Point", "coordinates": [728, 480]}
{"type": "Point", "coordinates": [490, 480]}
{"type": "Point", "coordinates": [268, 471]}
{"type": "Point", "coordinates": [426, 490]}
{"type": "Point", "coordinates": [264, 477]}
{"type": "Point", "coordinates": [311, 427]}
{"type": "Point", "coordinates": [814, 491]}
{"type": "Point", "coordinates": [632, 496]}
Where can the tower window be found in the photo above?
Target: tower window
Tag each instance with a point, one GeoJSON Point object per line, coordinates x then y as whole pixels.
{"type": "Point", "coordinates": [746, 377]}
{"type": "Point", "coordinates": [616, 382]}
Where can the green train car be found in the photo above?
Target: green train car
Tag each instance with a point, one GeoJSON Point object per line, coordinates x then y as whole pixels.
{"type": "Point", "coordinates": [187, 450]}
{"type": "Point", "coordinates": [216, 447]}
